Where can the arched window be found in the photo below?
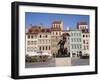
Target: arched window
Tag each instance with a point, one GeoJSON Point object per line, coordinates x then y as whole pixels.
{"type": "Point", "coordinates": [31, 42]}
{"type": "Point", "coordinates": [40, 36]}
{"type": "Point", "coordinates": [46, 47]}
{"type": "Point", "coordinates": [43, 47]}
{"type": "Point", "coordinates": [28, 36]}
{"type": "Point", "coordinates": [83, 35]}
{"type": "Point", "coordinates": [28, 42]}
{"type": "Point", "coordinates": [56, 33]}
{"type": "Point", "coordinates": [40, 48]}
{"type": "Point", "coordinates": [49, 47]}
{"type": "Point", "coordinates": [86, 35]}
{"type": "Point", "coordinates": [31, 36]}
{"type": "Point", "coordinates": [46, 36]}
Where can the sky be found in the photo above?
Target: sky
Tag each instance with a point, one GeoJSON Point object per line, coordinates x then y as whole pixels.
{"type": "Point", "coordinates": [46, 19]}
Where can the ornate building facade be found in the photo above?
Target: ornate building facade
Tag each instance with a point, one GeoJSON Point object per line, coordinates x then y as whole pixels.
{"type": "Point", "coordinates": [83, 26]}
{"type": "Point", "coordinates": [39, 38]}
{"type": "Point", "coordinates": [75, 43]}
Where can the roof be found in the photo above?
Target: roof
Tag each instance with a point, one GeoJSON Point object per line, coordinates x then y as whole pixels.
{"type": "Point", "coordinates": [45, 30]}
{"type": "Point", "coordinates": [38, 29]}
{"type": "Point", "coordinates": [56, 22]}
{"type": "Point", "coordinates": [82, 23]}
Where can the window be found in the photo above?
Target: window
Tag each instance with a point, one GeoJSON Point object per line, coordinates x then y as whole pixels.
{"type": "Point", "coordinates": [31, 36]}
{"type": "Point", "coordinates": [40, 47]}
{"type": "Point", "coordinates": [35, 42]}
{"type": "Point", "coordinates": [87, 42]}
{"type": "Point", "coordinates": [40, 36]}
{"type": "Point", "coordinates": [46, 36]}
{"type": "Point", "coordinates": [72, 39]}
{"type": "Point", "coordinates": [73, 54]}
{"type": "Point", "coordinates": [31, 49]}
{"type": "Point", "coordinates": [56, 37]}
{"type": "Point", "coordinates": [79, 34]}
{"type": "Point", "coordinates": [28, 36]}
{"type": "Point", "coordinates": [71, 34]}
{"type": "Point", "coordinates": [35, 36]}
{"type": "Point", "coordinates": [28, 49]}
{"type": "Point", "coordinates": [79, 39]}
{"type": "Point", "coordinates": [49, 47]}
{"type": "Point", "coordinates": [83, 35]}
{"type": "Point", "coordinates": [83, 41]}
{"type": "Point", "coordinates": [31, 42]}
{"type": "Point", "coordinates": [59, 33]}
{"type": "Point", "coordinates": [86, 35]}
{"type": "Point", "coordinates": [77, 46]}
{"type": "Point", "coordinates": [53, 25]}
{"type": "Point", "coordinates": [43, 48]}
{"type": "Point", "coordinates": [46, 47]}
{"type": "Point", "coordinates": [84, 48]}
{"type": "Point", "coordinates": [28, 42]}
{"type": "Point", "coordinates": [53, 33]}
{"type": "Point", "coordinates": [56, 33]}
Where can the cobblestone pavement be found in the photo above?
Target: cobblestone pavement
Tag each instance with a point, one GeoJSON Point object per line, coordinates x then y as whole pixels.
{"type": "Point", "coordinates": [78, 61]}
{"type": "Point", "coordinates": [50, 63]}
{"type": "Point", "coordinates": [59, 62]}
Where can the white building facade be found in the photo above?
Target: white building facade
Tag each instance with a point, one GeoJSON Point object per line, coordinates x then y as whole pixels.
{"type": "Point", "coordinates": [75, 43]}
{"type": "Point", "coordinates": [31, 43]}
{"type": "Point", "coordinates": [44, 41]}
{"type": "Point", "coordinates": [38, 39]}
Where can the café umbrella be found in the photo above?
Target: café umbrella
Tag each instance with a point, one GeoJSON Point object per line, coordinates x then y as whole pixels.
{"type": "Point", "coordinates": [39, 54]}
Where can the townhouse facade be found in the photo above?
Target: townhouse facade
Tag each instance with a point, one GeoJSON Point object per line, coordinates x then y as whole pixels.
{"type": "Point", "coordinates": [83, 26]}
{"type": "Point", "coordinates": [38, 39]}
{"type": "Point", "coordinates": [46, 39]}
{"type": "Point", "coordinates": [75, 43]}
{"type": "Point", "coordinates": [86, 43]}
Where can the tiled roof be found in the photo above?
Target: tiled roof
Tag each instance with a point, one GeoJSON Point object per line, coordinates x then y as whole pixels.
{"type": "Point", "coordinates": [56, 22]}
{"type": "Point", "coordinates": [37, 29]}
{"type": "Point", "coordinates": [82, 23]}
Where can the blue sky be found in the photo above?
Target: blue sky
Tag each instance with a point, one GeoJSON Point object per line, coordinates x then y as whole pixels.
{"type": "Point", "coordinates": [69, 20]}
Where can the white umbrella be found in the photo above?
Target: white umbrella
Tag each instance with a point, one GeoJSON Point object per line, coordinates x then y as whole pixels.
{"type": "Point", "coordinates": [34, 54]}
{"type": "Point", "coordinates": [48, 54]}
